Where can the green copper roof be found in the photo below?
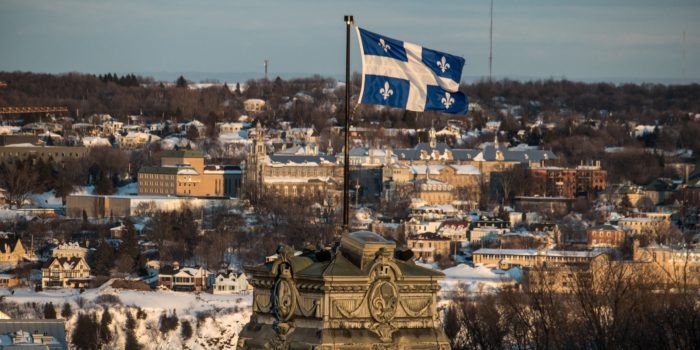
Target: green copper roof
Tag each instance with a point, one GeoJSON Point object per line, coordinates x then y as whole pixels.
{"type": "Point", "coordinates": [182, 154]}
{"type": "Point", "coordinates": [159, 170]}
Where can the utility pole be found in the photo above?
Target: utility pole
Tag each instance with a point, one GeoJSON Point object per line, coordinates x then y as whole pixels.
{"type": "Point", "coordinates": [491, 44]}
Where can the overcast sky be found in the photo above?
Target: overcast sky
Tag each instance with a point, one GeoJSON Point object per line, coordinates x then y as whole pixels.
{"type": "Point", "coordinates": [578, 39]}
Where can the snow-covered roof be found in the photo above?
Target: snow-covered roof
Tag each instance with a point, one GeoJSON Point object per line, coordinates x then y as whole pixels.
{"type": "Point", "coordinates": [466, 169]}
{"type": "Point", "coordinates": [535, 252]}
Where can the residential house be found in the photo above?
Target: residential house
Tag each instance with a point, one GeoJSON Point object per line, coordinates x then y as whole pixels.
{"type": "Point", "coordinates": [9, 280]}
{"type": "Point", "coordinates": [429, 247]}
{"type": "Point", "coordinates": [11, 250]}
{"type": "Point", "coordinates": [230, 282]}
{"type": "Point", "coordinates": [184, 278]}
{"type": "Point", "coordinates": [253, 105]}
{"type": "Point", "coordinates": [69, 250]}
{"type": "Point", "coordinates": [455, 230]}
{"type": "Point", "coordinates": [134, 140]}
{"type": "Point", "coordinates": [65, 272]}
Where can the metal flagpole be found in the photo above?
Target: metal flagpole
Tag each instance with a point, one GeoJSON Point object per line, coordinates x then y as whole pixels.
{"type": "Point", "coordinates": [346, 170]}
{"type": "Point", "coordinates": [491, 43]}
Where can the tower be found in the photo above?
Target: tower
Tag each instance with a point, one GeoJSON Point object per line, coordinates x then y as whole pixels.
{"type": "Point", "coordinates": [265, 63]}
{"type": "Point", "coordinates": [256, 161]}
{"type": "Point", "coordinates": [433, 137]}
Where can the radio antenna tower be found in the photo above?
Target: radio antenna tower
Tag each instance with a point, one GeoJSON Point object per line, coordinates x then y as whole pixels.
{"type": "Point", "coordinates": [265, 63]}
{"type": "Point", "coordinates": [491, 44]}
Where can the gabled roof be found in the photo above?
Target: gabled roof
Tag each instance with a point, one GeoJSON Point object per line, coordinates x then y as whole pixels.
{"type": "Point", "coordinates": [10, 241]}
{"type": "Point", "coordinates": [65, 263]}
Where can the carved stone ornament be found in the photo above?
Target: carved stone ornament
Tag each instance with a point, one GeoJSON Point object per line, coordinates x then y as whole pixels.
{"type": "Point", "coordinates": [383, 301]}
{"type": "Point", "coordinates": [284, 300]}
{"type": "Point", "coordinates": [284, 292]}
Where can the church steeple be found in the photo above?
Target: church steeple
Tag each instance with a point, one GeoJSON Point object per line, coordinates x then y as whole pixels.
{"type": "Point", "coordinates": [433, 137]}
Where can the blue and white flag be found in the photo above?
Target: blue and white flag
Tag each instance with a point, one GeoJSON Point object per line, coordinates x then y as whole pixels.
{"type": "Point", "coordinates": [404, 75]}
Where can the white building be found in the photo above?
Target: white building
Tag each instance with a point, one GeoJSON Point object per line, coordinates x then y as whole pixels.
{"type": "Point", "coordinates": [69, 250]}
{"type": "Point", "coordinates": [230, 283]}
{"type": "Point", "coordinates": [253, 105]}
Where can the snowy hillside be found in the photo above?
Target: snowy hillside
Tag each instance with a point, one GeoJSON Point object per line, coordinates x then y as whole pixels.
{"type": "Point", "coordinates": [216, 319]}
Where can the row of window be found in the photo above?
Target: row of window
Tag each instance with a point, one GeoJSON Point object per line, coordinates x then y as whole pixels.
{"type": "Point", "coordinates": [156, 176]}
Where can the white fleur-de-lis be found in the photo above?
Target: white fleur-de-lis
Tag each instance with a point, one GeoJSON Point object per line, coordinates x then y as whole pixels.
{"type": "Point", "coordinates": [443, 65]}
{"type": "Point", "coordinates": [448, 100]}
{"type": "Point", "coordinates": [386, 91]}
{"type": "Point", "coordinates": [384, 45]}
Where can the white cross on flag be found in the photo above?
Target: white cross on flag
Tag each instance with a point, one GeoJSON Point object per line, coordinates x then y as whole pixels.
{"type": "Point", "coordinates": [409, 76]}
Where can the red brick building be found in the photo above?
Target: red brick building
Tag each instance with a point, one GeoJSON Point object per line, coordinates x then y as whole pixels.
{"type": "Point", "coordinates": [606, 236]}
{"type": "Point", "coordinates": [566, 182]}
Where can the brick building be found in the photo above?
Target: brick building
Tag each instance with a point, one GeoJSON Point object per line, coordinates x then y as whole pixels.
{"type": "Point", "coordinates": [183, 173]}
{"type": "Point", "coordinates": [429, 247]}
{"type": "Point", "coordinates": [605, 236]}
{"type": "Point", "coordinates": [566, 182]}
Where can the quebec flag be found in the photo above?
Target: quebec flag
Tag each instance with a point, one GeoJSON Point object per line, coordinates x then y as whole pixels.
{"type": "Point", "coordinates": [404, 75]}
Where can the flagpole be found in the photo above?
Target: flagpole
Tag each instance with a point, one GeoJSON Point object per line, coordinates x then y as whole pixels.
{"type": "Point", "coordinates": [346, 169]}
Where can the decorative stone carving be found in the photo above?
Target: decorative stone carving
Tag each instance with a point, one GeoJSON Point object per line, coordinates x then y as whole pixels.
{"type": "Point", "coordinates": [383, 300]}
{"type": "Point", "coordinates": [284, 301]}
{"type": "Point", "coordinates": [363, 298]}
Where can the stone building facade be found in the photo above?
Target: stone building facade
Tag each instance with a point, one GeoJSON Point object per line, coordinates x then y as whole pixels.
{"type": "Point", "coordinates": [364, 295]}
{"type": "Point", "coordinates": [183, 173]}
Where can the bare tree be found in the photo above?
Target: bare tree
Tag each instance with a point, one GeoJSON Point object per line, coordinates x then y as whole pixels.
{"type": "Point", "coordinates": [18, 179]}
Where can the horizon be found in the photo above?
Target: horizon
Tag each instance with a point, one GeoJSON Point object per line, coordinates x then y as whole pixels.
{"type": "Point", "coordinates": [197, 77]}
{"type": "Point", "coordinates": [628, 41]}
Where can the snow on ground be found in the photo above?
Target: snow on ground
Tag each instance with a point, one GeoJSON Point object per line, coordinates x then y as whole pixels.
{"type": "Point", "coordinates": [216, 319]}
{"type": "Point", "coordinates": [130, 188]}
{"type": "Point", "coordinates": [479, 279]}
{"type": "Point", "coordinates": [45, 200]}
{"type": "Point", "coordinates": [14, 215]}
{"type": "Point", "coordinates": [84, 190]}
{"type": "Point", "coordinates": [171, 142]}
{"type": "Point", "coordinates": [49, 199]}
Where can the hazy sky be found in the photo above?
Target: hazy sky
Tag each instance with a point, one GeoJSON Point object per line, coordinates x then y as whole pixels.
{"type": "Point", "coordinates": [585, 39]}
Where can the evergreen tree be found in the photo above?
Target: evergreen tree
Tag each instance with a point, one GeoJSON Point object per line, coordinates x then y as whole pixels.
{"type": "Point", "coordinates": [85, 333]}
{"type": "Point", "coordinates": [66, 311]}
{"type": "Point", "coordinates": [103, 184]}
{"type": "Point", "coordinates": [181, 82]}
{"type": "Point", "coordinates": [130, 321]}
{"type": "Point", "coordinates": [105, 321]}
{"type": "Point", "coordinates": [49, 311]}
{"type": "Point", "coordinates": [130, 245]}
{"type": "Point", "coordinates": [131, 343]}
{"type": "Point", "coordinates": [186, 330]}
{"type": "Point", "coordinates": [168, 322]}
{"type": "Point", "coordinates": [192, 133]}
{"type": "Point", "coordinates": [238, 88]}
{"type": "Point", "coordinates": [103, 259]}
